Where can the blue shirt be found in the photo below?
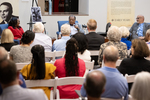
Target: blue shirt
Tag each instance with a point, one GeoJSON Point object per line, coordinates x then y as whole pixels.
{"type": "Point", "coordinates": [60, 45]}
{"type": "Point", "coordinates": [22, 85]}
{"type": "Point", "coordinates": [116, 85]}
{"type": "Point", "coordinates": [127, 42]}
{"type": "Point", "coordinates": [140, 30]}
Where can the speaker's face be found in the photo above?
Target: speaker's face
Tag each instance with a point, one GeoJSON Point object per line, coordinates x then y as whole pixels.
{"type": "Point", "coordinates": [72, 20]}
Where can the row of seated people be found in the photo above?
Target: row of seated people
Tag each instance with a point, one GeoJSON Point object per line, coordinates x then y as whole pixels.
{"type": "Point", "coordinates": [115, 87]}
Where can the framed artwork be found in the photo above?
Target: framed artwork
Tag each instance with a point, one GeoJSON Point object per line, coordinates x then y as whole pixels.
{"type": "Point", "coordinates": [36, 14]}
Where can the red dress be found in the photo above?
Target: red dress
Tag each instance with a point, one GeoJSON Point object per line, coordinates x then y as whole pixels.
{"type": "Point", "coordinates": [17, 32]}
{"type": "Point", "coordinates": [68, 91]}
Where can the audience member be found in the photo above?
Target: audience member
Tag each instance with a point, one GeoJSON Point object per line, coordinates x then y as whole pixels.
{"type": "Point", "coordinates": [139, 28]}
{"type": "Point", "coordinates": [114, 35]}
{"type": "Point", "coordinates": [41, 38]}
{"type": "Point", "coordinates": [83, 53]}
{"type": "Point", "coordinates": [141, 89]}
{"type": "Point", "coordinates": [116, 85]}
{"type": "Point", "coordinates": [70, 65]}
{"type": "Point", "coordinates": [94, 40]}
{"type": "Point", "coordinates": [22, 53]}
{"type": "Point", "coordinates": [4, 56]}
{"type": "Point", "coordinates": [137, 62]}
{"type": "Point", "coordinates": [7, 39]}
{"type": "Point", "coordinates": [14, 26]}
{"type": "Point", "coordinates": [147, 38]}
{"type": "Point", "coordinates": [125, 33]}
{"type": "Point", "coordinates": [38, 69]}
{"type": "Point", "coordinates": [60, 45]}
{"type": "Point", "coordinates": [11, 90]}
{"type": "Point", "coordinates": [6, 11]}
{"type": "Point", "coordinates": [94, 85]}
{"type": "Point", "coordinates": [75, 27]}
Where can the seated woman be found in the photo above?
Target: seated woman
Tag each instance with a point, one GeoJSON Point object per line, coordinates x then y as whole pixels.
{"type": "Point", "coordinates": [14, 26]}
{"type": "Point", "coordinates": [125, 33]}
{"type": "Point", "coordinates": [137, 62]}
{"type": "Point", "coordinates": [22, 53]}
{"type": "Point", "coordinates": [70, 65]}
{"type": "Point", "coordinates": [7, 39]}
{"type": "Point", "coordinates": [83, 53]}
{"type": "Point", "coordinates": [140, 89]}
{"type": "Point", "coordinates": [38, 69]}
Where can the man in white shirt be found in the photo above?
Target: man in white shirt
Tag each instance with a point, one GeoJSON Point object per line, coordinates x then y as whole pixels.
{"type": "Point", "coordinates": [11, 90]}
{"type": "Point", "coordinates": [41, 38]}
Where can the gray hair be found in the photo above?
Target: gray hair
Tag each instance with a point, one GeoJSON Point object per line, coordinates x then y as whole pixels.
{"type": "Point", "coordinates": [3, 53]}
{"type": "Point", "coordinates": [111, 54]}
{"type": "Point", "coordinates": [141, 88]}
{"type": "Point", "coordinates": [124, 31]}
{"type": "Point", "coordinates": [65, 29]}
{"type": "Point", "coordinates": [114, 34]}
{"type": "Point", "coordinates": [38, 27]}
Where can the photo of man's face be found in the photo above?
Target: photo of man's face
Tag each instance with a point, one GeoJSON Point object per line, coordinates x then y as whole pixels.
{"type": "Point", "coordinates": [4, 11]}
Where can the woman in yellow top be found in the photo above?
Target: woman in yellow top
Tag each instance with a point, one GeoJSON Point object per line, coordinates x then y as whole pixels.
{"type": "Point", "coordinates": [38, 69]}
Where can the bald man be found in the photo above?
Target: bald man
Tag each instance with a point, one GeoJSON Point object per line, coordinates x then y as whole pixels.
{"type": "Point", "coordinates": [94, 85]}
{"type": "Point", "coordinates": [139, 28]}
{"type": "Point", "coordinates": [116, 85]}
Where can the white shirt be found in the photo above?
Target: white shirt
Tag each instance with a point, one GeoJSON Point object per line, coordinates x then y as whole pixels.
{"type": "Point", "coordinates": [44, 40]}
{"type": "Point", "coordinates": [73, 30]}
{"type": "Point", "coordinates": [86, 56]}
{"type": "Point", "coordinates": [16, 92]}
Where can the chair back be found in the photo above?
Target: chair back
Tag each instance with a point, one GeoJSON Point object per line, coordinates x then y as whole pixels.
{"type": "Point", "coordinates": [50, 55]}
{"type": "Point", "coordinates": [89, 66]}
{"type": "Point", "coordinates": [2, 27]}
{"type": "Point", "coordinates": [59, 53]}
{"type": "Point", "coordinates": [94, 52]}
{"type": "Point", "coordinates": [130, 78]}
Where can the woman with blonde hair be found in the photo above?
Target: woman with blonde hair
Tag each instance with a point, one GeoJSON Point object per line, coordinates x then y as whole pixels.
{"type": "Point", "coordinates": [125, 33]}
{"type": "Point", "coordinates": [7, 39]}
{"type": "Point", "coordinates": [141, 88]}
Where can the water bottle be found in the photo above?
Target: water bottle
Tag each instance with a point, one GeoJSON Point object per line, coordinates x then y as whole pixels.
{"type": "Point", "coordinates": [50, 7]}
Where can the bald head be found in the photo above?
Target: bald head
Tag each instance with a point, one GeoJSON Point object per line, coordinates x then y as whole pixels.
{"type": "Point", "coordinates": [140, 19]}
{"type": "Point", "coordinates": [110, 54]}
{"type": "Point", "coordinates": [95, 82]}
{"type": "Point", "coordinates": [3, 53]}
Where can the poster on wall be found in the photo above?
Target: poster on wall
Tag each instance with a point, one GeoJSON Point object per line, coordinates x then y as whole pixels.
{"type": "Point", "coordinates": [36, 14]}
{"type": "Point", "coordinates": [8, 9]}
{"type": "Point", "coordinates": [121, 12]}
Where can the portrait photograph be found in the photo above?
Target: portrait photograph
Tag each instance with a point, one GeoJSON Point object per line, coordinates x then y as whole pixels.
{"type": "Point", "coordinates": [36, 14]}
{"type": "Point", "coordinates": [8, 9]}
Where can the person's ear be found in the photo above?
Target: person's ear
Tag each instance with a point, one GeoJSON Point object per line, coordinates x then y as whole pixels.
{"type": "Point", "coordinates": [103, 90]}
{"type": "Point", "coordinates": [33, 31]}
{"type": "Point", "coordinates": [18, 74]}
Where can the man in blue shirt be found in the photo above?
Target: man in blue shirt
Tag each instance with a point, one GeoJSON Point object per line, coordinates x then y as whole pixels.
{"type": "Point", "coordinates": [60, 45]}
{"type": "Point", "coordinates": [3, 56]}
{"type": "Point", "coordinates": [116, 85]}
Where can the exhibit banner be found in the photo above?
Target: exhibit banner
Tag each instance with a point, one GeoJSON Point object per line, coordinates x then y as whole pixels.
{"type": "Point", "coordinates": [8, 9]}
{"type": "Point", "coordinates": [121, 12]}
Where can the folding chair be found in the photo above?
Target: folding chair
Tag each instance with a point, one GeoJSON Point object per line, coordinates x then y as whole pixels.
{"type": "Point", "coordinates": [130, 78]}
{"type": "Point", "coordinates": [89, 66]}
{"type": "Point", "coordinates": [94, 52]}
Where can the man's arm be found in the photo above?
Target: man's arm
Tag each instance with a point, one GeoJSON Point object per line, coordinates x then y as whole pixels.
{"type": "Point", "coordinates": [82, 91]}
{"type": "Point", "coordinates": [80, 28]}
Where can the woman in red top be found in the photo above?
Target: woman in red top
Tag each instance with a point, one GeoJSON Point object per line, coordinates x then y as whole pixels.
{"type": "Point", "coordinates": [70, 65]}
{"type": "Point", "coordinates": [15, 28]}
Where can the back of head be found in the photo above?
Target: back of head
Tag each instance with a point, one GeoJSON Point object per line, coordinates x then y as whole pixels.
{"type": "Point", "coordinates": [114, 34]}
{"type": "Point", "coordinates": [3, 53]}
{"type": "Point", "coordinates": [124, 31]}
{"type": "Point", "coordinates": [8, 71]}
{"type": "Point", "coordinates": [147, 37]}
{"type": "Point", "coordinates": [140, 48]}
{"type": "Point", "coordinates": [27, 37]}
{"type": "Point", "coordinates": [110, 54]}
{"type": "Point", "coordinates": [38, 62]}
{"type": "Point", "coordinates": [7, 36]}
{"type": "Point", "coordinates": [38, 27]}
{"type": "Point", "coordinates": [65, 29]}
{"type": "Point", "coordinates": [141, 88]}
{"type": "Point", "coordinates": [13, 22]}
{"type": "Point", "coordinates": [92, 24]}
{"type": "Point", "coordinates": [94, 84]}
{"type": "Point", "coordinates": [82, 42]}
{"type": "Point", "coordinates": [71, 59]}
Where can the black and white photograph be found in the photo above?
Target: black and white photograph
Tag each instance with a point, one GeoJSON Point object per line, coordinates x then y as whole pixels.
{"type": "Point", "coordinates": [7, 11]}
{"type": "Point", "coordinates": [36, 14]}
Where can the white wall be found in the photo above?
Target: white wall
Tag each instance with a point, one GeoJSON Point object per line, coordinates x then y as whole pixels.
{"type": "Point", "coordinates": [97, 11]}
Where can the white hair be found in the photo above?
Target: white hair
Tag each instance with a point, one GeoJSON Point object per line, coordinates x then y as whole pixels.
{"type": "Point", "coordinates": [3, 53]}
{"type": "Point", "coordinates": [124, 31]}
{"type": "Point", "coordinates": [141, 87]}
{"type": "Point", "coordinates": [114, 34]}
{"type": "Point", "coordinates": [65, 29]}
{"type": "Point", "coordinates": [38, 27]}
